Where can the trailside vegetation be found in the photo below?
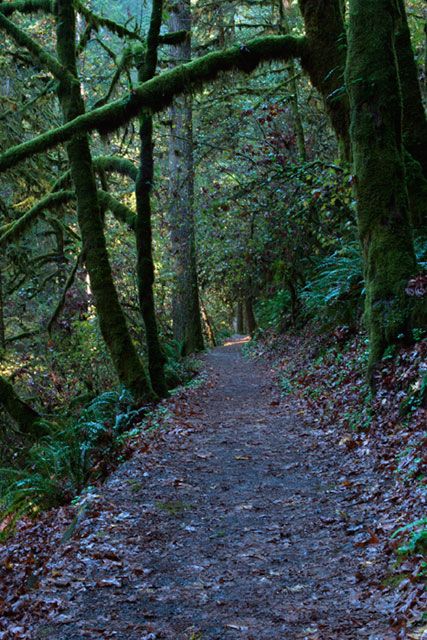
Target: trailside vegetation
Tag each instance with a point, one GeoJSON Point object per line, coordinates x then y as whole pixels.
{"type": "Point", "coordinates": [190, 172]}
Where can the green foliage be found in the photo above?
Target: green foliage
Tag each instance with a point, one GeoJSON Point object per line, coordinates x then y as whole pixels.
{"type": "Point", "coordinates": [270, 311]}
{"type": "Point", "coordinates": [63, 462]}
{"type": "Point", "coordinates": [414, 537]}
{"type": "Point", "coordinates": [335, 292]}
{"type": "Point", "coordinates": [178, 370]}
{"type": "Point", "coordinates": [416, 396]}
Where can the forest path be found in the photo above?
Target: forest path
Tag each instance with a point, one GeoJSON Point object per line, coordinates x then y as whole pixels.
{"type": "Point", "coordinates": [226, 529]}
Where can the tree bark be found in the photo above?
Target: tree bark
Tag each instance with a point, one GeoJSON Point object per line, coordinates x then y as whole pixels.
{"type": "Point", "coordinates": [294, 99]}
{"type": "Point", "coordinates": [25, 416]}
{"type": "Point", "coordinates": [414, 123]}
{"type": "Point", "coordinates": [324, 61]}
{"type": "Point", "coordinates": [240, 325]}
{"type": "Point", "coordinates": [414, 117]}
{"type": "Point", "coordinates": [111, 318]}
{"type": "Point", "coordinates": [250, 320]}
{"type": "Point", "coordinates": [383, 211]}
{"type": "Point", "coordinates": [187, 325]}
{"type": "Point", "coordinates": [143, 229]}
{"type": "Point", "coordinates": [208, 324]}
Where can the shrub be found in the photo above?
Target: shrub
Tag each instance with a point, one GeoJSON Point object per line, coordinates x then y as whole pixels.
{"type": "Point", "coordinates": [62, 463]}
{"type": "Point", "coordinates": [334, 294]}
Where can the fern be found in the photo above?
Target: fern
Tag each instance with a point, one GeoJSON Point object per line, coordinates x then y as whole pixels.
{"type": "Point", "coordinates": [62, 463]}
{"type": "Point", "coordinates": [335, 292]}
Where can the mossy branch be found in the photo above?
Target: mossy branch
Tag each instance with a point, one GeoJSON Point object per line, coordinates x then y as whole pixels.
{"type": "Point", "coordinates": [99, 21]}
{"type": "Point", "coordinates": [174, 38]}
{"type": "Point", "coordinates": [26, 6]}
{"type": "Point", "coordinates": [120, 211]}
{"type": "Point", "coordinates": [14, 230]}
{"type": "Point", "coordinates": [158, 93]}
{"type": "Point", "coordinates": [115, 164]}
{"type": "Point", "coordinates": [60, 305]}
{"type": "Point", "coordinates": [111, 164]}
{"type": "Point", "coordinates": [123, 65]}
{"type": "Point", "coordinates": [38, 52]}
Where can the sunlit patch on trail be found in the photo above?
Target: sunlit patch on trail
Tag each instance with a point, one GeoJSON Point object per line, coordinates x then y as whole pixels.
{"type": "Point", "coordinates": [237, 340]}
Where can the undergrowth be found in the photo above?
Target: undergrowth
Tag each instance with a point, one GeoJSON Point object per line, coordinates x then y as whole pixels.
{"type": "Point", "coordinates": [82, 451]}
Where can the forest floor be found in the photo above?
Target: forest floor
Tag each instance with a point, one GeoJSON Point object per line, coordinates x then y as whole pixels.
{"type": "Point", "coordinates": [240, 519]}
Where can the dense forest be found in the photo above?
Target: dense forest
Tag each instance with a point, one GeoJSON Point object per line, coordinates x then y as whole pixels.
{"type": "Point", "coordinates": [176, 173]}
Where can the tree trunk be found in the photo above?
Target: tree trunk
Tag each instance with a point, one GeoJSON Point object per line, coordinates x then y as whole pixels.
{"type": "Point", "coordinates": [143, 230]}
{"type": "Point", "coordinates": [294, 301]}
{"type": "Point", "coordinates": [251, 323]}
{"type": "Point", "coordinates": [25, 416]}
{"type": "Point", "coordinates": [414, 124]}
{"type": "Point", "coordinates": [294, 101]}
{"type": "Point", "coordinates": [111, 318]}
{"type": "Point", "coordinates": [208, 324]}
{"type": "Point", "coordinates": [414, 117]}
{"type": "Point", "coordinates": [324, 61]}
{"type": "Point", "coordinates": [2, 327]}
{"type": "Point", "coordinates": [383, 212]}
{"type": "Point", "coordinates": [240, 328]}
{"type": "Point", "coordinates": [187, 325]}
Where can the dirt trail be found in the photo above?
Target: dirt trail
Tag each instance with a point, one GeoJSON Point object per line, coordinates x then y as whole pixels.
{"type": "Point", "coordinates": [234, 527]}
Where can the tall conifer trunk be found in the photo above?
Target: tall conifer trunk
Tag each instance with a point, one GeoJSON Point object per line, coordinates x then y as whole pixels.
{"type": "Point", "coordinates": [143, 228]}
{"type": "Point", "coordinates": [383, 212]}
{"type": "Point", "coordinates": [187, 325]}
{"type": "Point", "coordinates": [414, 117]}
{"type": "Point", "coordinates": [111, 318]}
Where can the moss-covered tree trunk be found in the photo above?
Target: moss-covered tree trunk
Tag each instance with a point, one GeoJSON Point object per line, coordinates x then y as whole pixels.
{"type": "Point", "coordinates": [414, 123]}
{"type": "Point", "coordinates": [111, 318]}
{"type": "Point", "coordinates": [324, 60]}
{"type": "Point", "coordinates": [187, 325]}
{"type": "Point", "coordinates": [2, 327]}
{"type": "Point", "coordinates": [383, 212]}
{"type": "Point", "coordinates": [143, 230]}
{"type": "Point", "coordinates": [414, 117]}
{"type": "Point", "coordinates": [25, 416]}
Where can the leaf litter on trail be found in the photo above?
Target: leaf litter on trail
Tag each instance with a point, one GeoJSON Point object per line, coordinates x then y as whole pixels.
{"type": "Point", "coordinates": [125, 526]}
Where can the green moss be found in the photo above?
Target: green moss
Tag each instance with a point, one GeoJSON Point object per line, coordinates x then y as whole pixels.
{"type": "Point", "coordinates": [414, 122]}
{"type": "Point", "coordinates": [383, 209]}
{"type": "Point", "coordinates": [174, 38]}
{"type": "Point", "coordinates": [110, 314]}
{"type": "Point", "coordinates": [37, 51]}
{"type": "Point", "coordinates": [119, 210]}
{"type": "Point", "coordinates": [324, 60]}
{"type": "Point", "coordinates": [417, 191]}
{"type": "Point", "coordinates": [158, 93]}
{"type": "Point", "coordinates": [100, 21]}
{"type": "Point", "coordinates": [14, 230]}
{"type": "Point", "coordinates": [115, 164]}
{"type": "Point", "coordinates": [143, 229]}
{"type": "Point", "coordinates": [26, 6]}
